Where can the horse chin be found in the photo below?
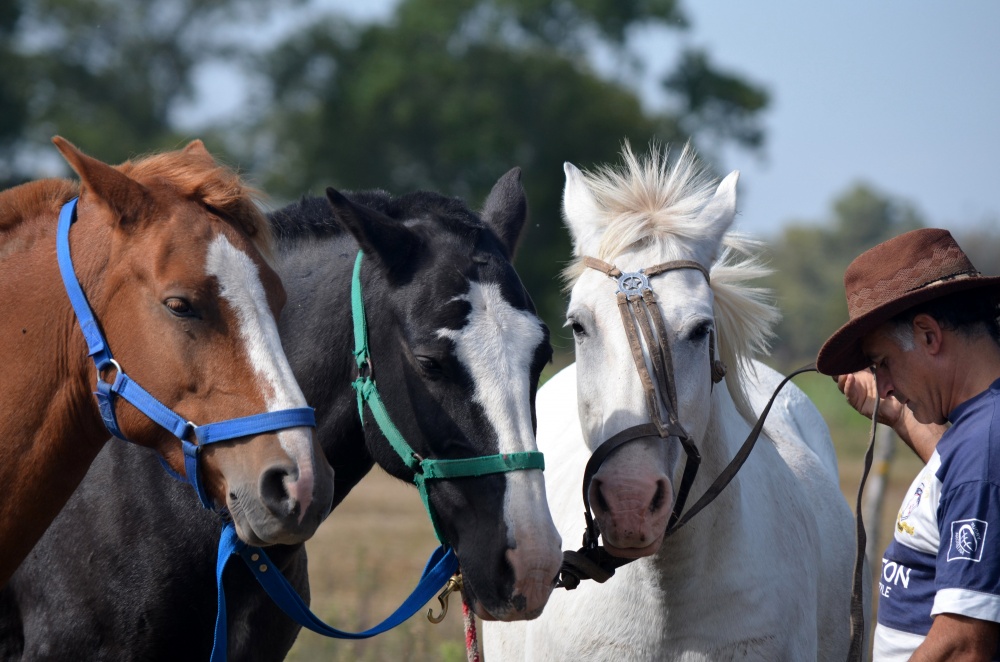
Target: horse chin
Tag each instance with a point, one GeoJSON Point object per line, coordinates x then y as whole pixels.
{"type": "Point", "coordinates": [633, 552]}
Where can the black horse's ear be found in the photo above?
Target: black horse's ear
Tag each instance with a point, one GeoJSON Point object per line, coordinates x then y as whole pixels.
{"type": "Point", "coordinates": [506, 209]}
{"type": "Point", "coordinates": [378, 235]}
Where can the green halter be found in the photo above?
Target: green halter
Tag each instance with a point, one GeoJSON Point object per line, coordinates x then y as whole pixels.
{"type": "Point", "coordinates": [423, 469]}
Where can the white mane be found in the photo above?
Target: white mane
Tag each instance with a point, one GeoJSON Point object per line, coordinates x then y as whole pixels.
{"type": "Point", "coordinates": [645, 201]}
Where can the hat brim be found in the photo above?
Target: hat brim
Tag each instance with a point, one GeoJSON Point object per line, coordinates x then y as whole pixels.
{"type": "Point", "coordinates": [841, 353]}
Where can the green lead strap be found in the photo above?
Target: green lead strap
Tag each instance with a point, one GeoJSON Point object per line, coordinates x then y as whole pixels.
{"type": "Point", "coordinates": [423, 469]}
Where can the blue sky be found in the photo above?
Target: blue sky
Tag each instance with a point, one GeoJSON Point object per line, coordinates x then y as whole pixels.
{"type": "Point", "coordinates": [902, 95]}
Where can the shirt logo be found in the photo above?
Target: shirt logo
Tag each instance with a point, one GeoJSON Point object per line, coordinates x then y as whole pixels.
{"type": "Point", "coordinates": [907, 510]}
{"type": "Point", "coordinates": [967, 536]}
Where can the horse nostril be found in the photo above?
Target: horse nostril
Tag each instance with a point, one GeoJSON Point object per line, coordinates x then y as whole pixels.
{"type": "Point", "coordinates": [659, 496]}
{"type": "Point", "coordinates": [602, 503]}
{"type": "Point", "coordinates": [274, 493]}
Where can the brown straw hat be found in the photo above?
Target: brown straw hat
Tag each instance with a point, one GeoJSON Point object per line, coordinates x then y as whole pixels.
{"type": "Point", "coordinates": [888, 279]}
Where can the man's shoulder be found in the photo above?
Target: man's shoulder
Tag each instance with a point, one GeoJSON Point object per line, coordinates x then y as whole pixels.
{"type": "Point", "coordinates": [970, 446]}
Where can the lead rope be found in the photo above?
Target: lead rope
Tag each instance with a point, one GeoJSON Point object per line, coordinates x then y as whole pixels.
{"type": "Point", "coordinates": [471, 637]}
{"type": "Point", "coordinates": [857, 650]}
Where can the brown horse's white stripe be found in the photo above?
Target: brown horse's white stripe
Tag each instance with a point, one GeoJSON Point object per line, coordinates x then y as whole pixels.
{"type": "Point", "coordinates": [240, 286]}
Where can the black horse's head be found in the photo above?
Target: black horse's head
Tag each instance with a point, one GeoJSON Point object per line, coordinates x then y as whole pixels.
{"type": "Point", "coordinates": [456, 351]}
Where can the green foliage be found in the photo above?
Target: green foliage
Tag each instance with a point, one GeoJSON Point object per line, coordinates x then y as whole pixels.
{"type": "Point", "coordinates": [106, 74]}
{"type": "Point", "coordinates": [716, 102]}
{"type": "Point", "coordinates": [450, 95]}
{"type": "Point", "coordinates": [809, 263]}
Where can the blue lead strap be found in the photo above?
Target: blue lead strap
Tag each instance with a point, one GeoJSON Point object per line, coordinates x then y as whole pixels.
{"type": "Point", "coordinates": [439, 568]}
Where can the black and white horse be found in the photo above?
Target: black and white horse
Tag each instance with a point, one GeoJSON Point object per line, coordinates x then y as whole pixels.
{"type": "Point", "coordinates": [457, 350]}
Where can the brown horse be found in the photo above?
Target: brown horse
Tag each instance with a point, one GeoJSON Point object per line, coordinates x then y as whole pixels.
{"type": "Point", "coordinates": [171, 253]}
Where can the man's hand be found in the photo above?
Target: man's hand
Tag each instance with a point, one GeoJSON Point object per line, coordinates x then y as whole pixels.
{"type": "Point", "coordinates": [859, 389]}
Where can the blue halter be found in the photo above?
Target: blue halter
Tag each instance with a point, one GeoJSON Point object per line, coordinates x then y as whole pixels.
{"type": "Point", "coordinates": [124, 387]}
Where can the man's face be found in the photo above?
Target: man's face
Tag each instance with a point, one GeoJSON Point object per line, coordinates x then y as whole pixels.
{"type": "Point", "coordinates": [904, 375]}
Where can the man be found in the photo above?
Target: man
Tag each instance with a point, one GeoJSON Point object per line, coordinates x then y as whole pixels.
{"type": "Point", "coordinates": [923, 335]}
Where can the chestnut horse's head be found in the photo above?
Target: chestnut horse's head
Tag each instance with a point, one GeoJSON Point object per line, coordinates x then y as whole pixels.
{"type": "Point", "coordinates": [171, 253]}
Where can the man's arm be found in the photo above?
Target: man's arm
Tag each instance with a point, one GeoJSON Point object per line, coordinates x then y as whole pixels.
{"type": "Point", "coordinates": [959, 639]}
{"type": "Point", "coordinates": [859, 388]}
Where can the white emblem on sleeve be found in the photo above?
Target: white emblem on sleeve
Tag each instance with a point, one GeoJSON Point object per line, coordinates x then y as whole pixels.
{"type": "Point", "coordinates": [967, 536]}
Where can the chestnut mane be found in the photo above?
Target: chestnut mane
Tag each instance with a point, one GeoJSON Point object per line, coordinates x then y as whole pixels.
{"type": "Point", "coordinates": [192, 175]}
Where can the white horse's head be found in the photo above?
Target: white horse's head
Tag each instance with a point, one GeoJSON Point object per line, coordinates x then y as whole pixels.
{"type": "Point", "coordinates": [634, 217]}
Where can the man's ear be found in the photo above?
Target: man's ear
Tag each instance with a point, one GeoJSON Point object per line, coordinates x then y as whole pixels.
{"type": "Point", "coordinates": [928, 334]}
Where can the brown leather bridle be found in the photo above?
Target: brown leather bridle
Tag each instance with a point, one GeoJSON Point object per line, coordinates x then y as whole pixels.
{"type": "Point", "coordinates": [638, 304]}
{"type": "Point", "coordinates": [640, 313]}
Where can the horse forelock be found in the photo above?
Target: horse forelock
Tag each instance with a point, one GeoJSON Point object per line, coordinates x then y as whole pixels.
{"type": "Point", "coordinates": [647, 203]}
{"type": "Point", "coordinates": [211, 184]}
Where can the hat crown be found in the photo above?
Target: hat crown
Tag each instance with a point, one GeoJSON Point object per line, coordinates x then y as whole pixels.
{"type": "Point", "coordinates": [909, 262]}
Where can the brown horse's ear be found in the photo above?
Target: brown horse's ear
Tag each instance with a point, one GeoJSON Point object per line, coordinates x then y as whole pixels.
{"type": "Point", "coordinates": [196, 148]}
{"type": "Point", "coordinates": [128, 199]}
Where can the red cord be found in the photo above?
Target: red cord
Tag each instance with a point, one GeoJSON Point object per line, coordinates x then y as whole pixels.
{"type": "Point", "coordinates": [471, 639]}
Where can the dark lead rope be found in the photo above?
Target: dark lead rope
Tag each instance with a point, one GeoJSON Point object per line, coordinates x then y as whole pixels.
{"type": "Point", "coordinates": [593, 561]}
{"type": "Point", "coordinates": [443, 563]}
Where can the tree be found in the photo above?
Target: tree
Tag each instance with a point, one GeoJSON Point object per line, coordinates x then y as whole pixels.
{"type": "Point", "coordinates": [449, 95]}
{"type": "Point", "coordinates": [107, 74]}
{"type": "Point", "coordinates": [809, 261]}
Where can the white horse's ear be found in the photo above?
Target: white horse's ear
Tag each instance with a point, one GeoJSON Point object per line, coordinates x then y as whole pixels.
{"type": "Point", "coordinates": [580, 211]}
{"type": "Point", "coordinates": [720, 211]}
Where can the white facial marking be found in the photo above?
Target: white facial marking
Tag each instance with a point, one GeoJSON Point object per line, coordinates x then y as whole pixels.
{"type": "Point", "coordinates": [240, 286]}
{"type": "Point", "coordinates": [497, 346]}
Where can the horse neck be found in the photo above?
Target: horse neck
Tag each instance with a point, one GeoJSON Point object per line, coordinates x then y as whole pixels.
{"type": "Point", "coordinates": [317, 334]}
{"type": "Point", "coordinates": [49, 420]}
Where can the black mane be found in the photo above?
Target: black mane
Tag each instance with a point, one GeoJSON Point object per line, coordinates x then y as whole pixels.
{"type": "Point", "coordinates": [312, 216]}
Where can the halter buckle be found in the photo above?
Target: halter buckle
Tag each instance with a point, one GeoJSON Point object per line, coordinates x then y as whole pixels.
{"type": "Point", "coordinates": [632, 283]}
{"type": "Point", "coordinates": [111, 363]}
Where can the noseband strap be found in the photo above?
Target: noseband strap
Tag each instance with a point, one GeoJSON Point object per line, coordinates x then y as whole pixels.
{"type": "Point", "coordinates": [192, 437]}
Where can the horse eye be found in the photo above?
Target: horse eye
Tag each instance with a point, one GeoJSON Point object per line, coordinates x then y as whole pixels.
{"type": "Point", "coordinates": [700, 332]}
{"type": "Point", "coordinates": [179, 307]}
{"type": "Point", "coordinates": [429, 366]}
{"type": "Point", "coordinates": [578, 329]}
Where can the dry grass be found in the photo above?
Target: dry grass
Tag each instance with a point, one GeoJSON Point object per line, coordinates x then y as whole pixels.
{"type": "Point", "coordinates": [363, 562]}
{"type": "Point", "coordinates": [368, 555]}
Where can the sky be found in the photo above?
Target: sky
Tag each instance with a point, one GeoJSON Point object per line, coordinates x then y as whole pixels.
{"type": "Point", "coordinates": [904, 96]}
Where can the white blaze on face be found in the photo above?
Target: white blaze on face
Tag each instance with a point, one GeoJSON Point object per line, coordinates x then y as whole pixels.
{"type": "Point", "coordinates": [497, 346]}
{"type": "Point", "coordinates": [240, 286]}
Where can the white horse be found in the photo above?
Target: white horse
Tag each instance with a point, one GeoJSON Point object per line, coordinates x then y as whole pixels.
{"type": "Point", "coordinates": [764, 572]}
